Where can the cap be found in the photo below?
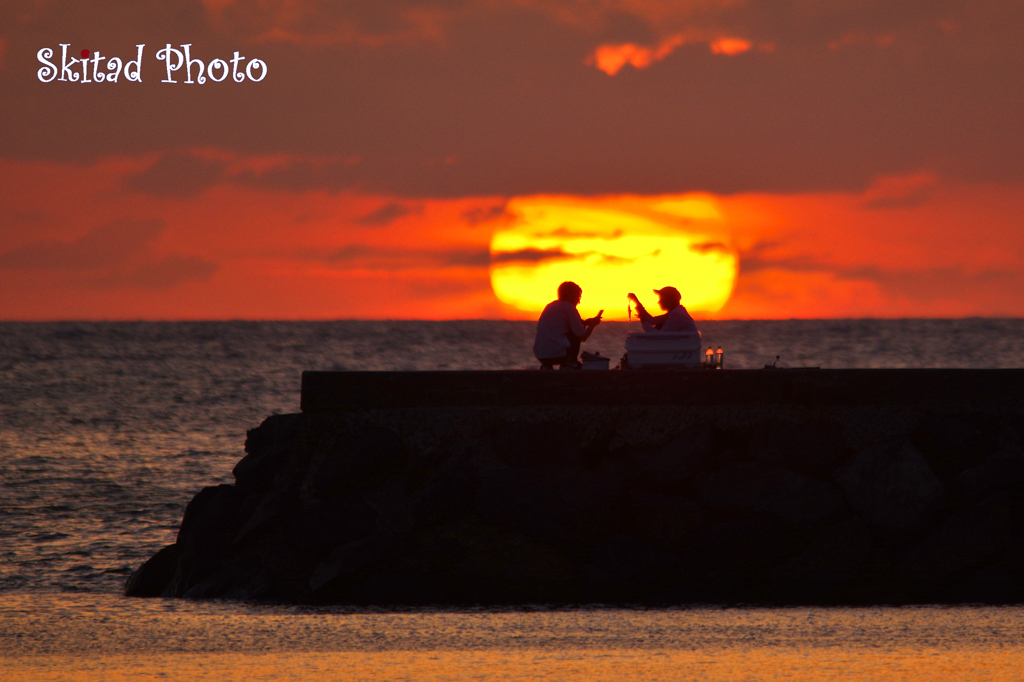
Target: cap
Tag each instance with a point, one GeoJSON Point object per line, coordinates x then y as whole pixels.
{"type": "Point", "coordinates": [670, 293]}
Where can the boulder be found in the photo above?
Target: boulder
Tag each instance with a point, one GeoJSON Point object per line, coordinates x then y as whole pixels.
{"type": "Point", "coordinates": [670, 467]}
{"type": "Point", "coordinates": [358, 462]}
{"type": "Point", "coordinates": [319, 528]}
{"type": "Point", "coordinates": [538, 445]}
{"type": "Point", "coordinates": [812, 449]}
{"type": "Point", "coordinates": [834, 558]}
{"type": "Point", "coordinates": [153, 577]}
{"type": "Point", "coordinates": [755, 488]}
{"type": "Point", "coordinates": [623, 568]}
{"type": "Point", "coordinates": [891, 486]}
{"type": "Point", "coordinates": [267, 447]}
{"type": "Point", "coordinates": [1003, 470]}
{"type": "Point", "coordinates": [968, 538]}
{"type": "Point", "coordinates": [993, 584]}
{"type": "Point", "coordinates": [728, 563]}
{"type": "Point", "coordinates": [662, 519]}
{"type": "Point", "coordinates": [567, 508]}
{"type": "Point", "coordinates": [951, 444]}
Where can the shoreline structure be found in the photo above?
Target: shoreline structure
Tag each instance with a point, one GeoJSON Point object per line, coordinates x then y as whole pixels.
{"type": "Point", "coordinates": [789, 486]}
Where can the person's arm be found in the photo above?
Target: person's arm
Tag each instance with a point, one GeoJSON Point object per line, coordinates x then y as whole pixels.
{"type": "Point", "coordinates": [647, 321]}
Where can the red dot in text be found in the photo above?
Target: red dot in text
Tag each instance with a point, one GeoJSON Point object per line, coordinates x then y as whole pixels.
{"type": "Point", "coordinates": [85, 53]}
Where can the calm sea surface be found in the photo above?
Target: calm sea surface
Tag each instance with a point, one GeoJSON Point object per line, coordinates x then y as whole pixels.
{"type": "Point", "coordinates": [108, 429]}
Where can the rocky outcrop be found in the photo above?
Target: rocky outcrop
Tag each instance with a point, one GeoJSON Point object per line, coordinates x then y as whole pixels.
{"type": "Point", "coordinates": [611, 504]}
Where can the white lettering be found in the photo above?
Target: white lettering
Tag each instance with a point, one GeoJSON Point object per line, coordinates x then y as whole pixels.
{"type": "Point", "coordinates": [218, 64]}
{"type": "Point", "coordinates": [238, 77]}
{"type": "Point", "coordinates": [261, 65]}
{"type": "Point", "coordinates": [65, 67]}
{"type": "Point", "coordinates": [137, 76]}
{"type": "Point", "coordinates": [166, 52]}
{"type": "Point", "coordinates": [50, 69]}
{"type": "Point", "coordinates": [113, 64]}
{"type": "Point", "coordinates": [188, 66]}
{"type": "Point", "coordinates": [96, 75]}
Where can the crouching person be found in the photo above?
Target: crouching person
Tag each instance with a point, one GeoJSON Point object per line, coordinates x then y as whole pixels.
{"type": "Point", "coordinates": [560, 330]}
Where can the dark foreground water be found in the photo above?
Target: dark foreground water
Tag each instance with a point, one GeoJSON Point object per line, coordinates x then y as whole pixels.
{"type": "Point", "coordinates": [108, 429]}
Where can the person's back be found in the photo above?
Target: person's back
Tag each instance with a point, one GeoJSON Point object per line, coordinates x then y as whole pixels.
{"type": "Point", "coordinates": [556, 323]}
{"type": "Point", "coordinates": [678, 320]}
{"type": "Point", "coordinates": [560, 330]}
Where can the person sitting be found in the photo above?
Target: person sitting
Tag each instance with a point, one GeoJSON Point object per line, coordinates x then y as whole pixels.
{"type": "Point", "coordinates": [675, 319]}
{"type": "Point", "coordinates": [560, 330]}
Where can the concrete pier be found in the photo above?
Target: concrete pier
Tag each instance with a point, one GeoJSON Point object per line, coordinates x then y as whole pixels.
{"type": "Point", "coordinates": [889, 486]}
{"type": "Point", "coordinates": [327, 391]}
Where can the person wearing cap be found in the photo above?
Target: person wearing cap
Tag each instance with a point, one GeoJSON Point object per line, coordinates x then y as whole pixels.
{"type": "Point", "coordinates": [560, 330]}
{"type": "Point", "coordinates": [675, 319]}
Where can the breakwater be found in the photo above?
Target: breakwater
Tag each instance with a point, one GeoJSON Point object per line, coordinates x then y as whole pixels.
{"type": "Point", "coordinates": [760, 486]}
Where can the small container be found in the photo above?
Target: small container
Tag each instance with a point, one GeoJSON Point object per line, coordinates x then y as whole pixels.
{"type": "Point", "coordinates": [709, 358]}
{"type": "Point", "coordinates": [719, 358]}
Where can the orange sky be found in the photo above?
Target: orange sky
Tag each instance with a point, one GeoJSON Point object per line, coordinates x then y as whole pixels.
{"type": "Point", "coordinates": [861, 161]}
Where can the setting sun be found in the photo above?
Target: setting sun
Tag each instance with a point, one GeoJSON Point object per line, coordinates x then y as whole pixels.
{"type": "Point", "coordinates": [611, 247]}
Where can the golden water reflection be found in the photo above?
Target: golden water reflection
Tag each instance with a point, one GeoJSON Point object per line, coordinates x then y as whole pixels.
{"type": "Point", "coordinates": [105, 637]}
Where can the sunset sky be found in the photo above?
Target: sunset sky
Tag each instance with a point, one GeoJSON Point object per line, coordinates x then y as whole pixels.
{"type": "Point", "coordinates": [437, 159]}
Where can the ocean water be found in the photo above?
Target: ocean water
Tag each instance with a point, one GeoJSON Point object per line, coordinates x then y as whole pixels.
{"type": "Point", "coordinates": [108, 429]}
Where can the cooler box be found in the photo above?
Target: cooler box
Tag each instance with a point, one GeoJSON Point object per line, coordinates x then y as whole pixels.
{"type": "Point", "coordinates": [663, 349]}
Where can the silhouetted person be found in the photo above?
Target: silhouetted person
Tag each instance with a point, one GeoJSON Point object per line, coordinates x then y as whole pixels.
{"type": "Point", "coordinates": [675, 319]}
{"type": "Point", "coordinates": [560, 330]}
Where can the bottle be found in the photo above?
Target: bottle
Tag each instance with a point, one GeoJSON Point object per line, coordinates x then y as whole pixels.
{"type": "Point", "coordinates": [719, 358]}
{"type": "Point", "coordinates": [709, 358]}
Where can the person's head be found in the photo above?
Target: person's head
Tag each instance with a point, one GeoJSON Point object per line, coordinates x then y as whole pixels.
{"type": "Point", "coordinates": [570, 291]}
{"type": "Point", "coordinates": [668, 297]}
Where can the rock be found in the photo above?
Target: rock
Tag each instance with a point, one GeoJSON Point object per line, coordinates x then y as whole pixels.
{"type": "Point", "coordinates": [952, 444]}
{"type": "Point", "coordinates": [992, 584]}
{"type": "Point", "coordinates": [338, 578]}
{"type": "Point", "coordinates": [622, 568]}
{"type": "Point", "coordinates": [538, 445]}
{"type": "Point", "coordinates": [968, 538]}
{"type": "Point", "coordinates": [663, 519]}
{"type": "Point", "coordinates": [834, 558]}
{"type": "Point", "coordinates": [728, 563]}
{"type": "Point", "coordinates": [1003, 470]}
{"type": "Point", "coordinates": [206, 532]}
{"type": "Point", "coordinates": [268, 447]}
{"type": "Point", "coordinates": [812, 449]}
{"type": "Point", "coordinates": [568, 508]}
{"type": "Point", "coordinates": [753, 487]}
{"type": "Point", "coordinates": [359, 462]}
{"type": "Point", "coordinates": [318, 529]}
{"type": "Point", "coordinates": [154, 577]}
{"type": "Point", "coordinates": [448, 494]}
{"type": "Point", "coordinates": [670, 467]}
{"type": "Point", "coordinates": [891, 486]}
{"type": "Point", "coordinates": [513, 569]}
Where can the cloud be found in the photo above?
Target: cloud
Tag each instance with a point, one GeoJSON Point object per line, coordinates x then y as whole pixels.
{"type": "Point", "coordinates": [907, 191]}
{"type": "Point", "coordinates": [922, 285]}
{"type": "Point", "coordinates": [178, 175]}
{"type": "Point", "coordinates": [481, 215]}
{"type": "Point", "coordinates": [115, 254]}
{"type": "Point", "coordinates": [708, 247]}
{"type": "Point", "coordinates": [367, 257]}
{"type": "Point", "coordinates": [520, 113]}
{"type": "Point", "coordinates": [534, 256]}
{"type": "Point", "coordinates": [108, 245]}
{"type": "Point", "coordinates": [163, 274]}
{"type": "Point", "coordinates": [386, 214]}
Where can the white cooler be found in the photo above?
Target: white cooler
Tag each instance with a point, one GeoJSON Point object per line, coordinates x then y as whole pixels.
{"type": "Point", "coordinates": [663, 349]}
